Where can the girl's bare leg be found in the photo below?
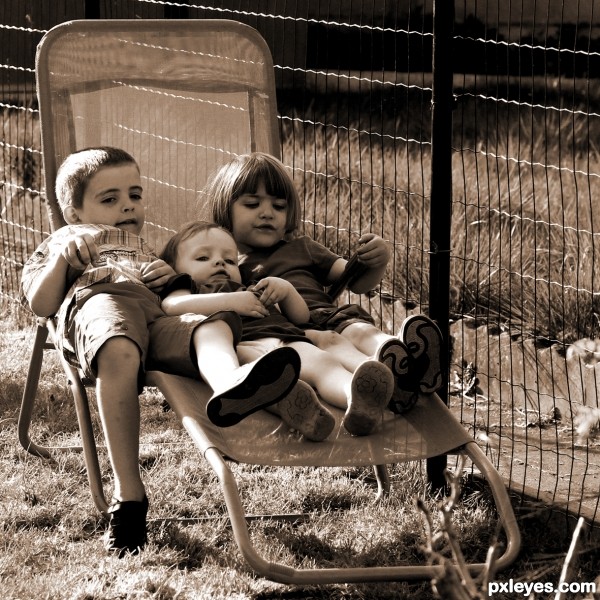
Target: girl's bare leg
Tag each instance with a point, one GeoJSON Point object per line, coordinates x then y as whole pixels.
{"type": "Point", "coordinates": [365, 337]}
{"type": "Point", "coordinates": [342, 348]}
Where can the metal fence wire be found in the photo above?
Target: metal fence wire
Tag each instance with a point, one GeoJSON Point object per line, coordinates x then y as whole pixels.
{"type": "Point", "coordinates": [355, 84]}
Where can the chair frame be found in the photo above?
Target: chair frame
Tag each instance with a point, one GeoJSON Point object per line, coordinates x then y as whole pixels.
{"type": "Point", "coordinates": [46, 332]}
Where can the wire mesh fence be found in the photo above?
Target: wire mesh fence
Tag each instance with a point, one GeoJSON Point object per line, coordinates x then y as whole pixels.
{"type": "Point", "coordinates": [354, 87]}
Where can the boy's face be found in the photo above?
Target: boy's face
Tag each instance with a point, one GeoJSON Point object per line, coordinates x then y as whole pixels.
{"type": "Point", "coordinates": [113, 196]}
{"type": "Point", "coordinates": [209, 257]}
{"type": "Point", "coordinates": [259, 220]}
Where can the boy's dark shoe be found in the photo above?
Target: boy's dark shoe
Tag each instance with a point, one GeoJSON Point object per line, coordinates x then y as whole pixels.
{"type": "Point", "coordinates": [127, 527]}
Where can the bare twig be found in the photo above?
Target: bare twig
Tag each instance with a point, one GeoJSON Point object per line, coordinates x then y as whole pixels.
{"type": "Point", "coordinates": [571, 559]}
{"type": "Point", "coordinates": [456, 582]}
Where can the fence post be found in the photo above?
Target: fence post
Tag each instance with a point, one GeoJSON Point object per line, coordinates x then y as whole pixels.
{"type": "Point", "coordinates": [441, 197]}
{"type": "Point", "coordinates": [92, 9]}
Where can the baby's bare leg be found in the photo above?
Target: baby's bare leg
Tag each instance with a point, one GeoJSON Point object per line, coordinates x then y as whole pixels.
{"type": "Point", "coordinates": [118, 363]}
{"type": "Point", "coordinates": [217, 359]}
{"type": "Point", "coordinates": [241, 391]}
{"type": "Point", "coordinates": [323, 371]}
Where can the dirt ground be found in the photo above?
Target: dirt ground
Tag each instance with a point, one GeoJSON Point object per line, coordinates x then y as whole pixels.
{"type": "Point", "coordinates": [523, 405]}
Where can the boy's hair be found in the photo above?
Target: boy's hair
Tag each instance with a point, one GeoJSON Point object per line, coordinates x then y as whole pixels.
{"type": "Point", "coordinates": [241, 176]}
{"type": "Point", "coordinates": [78, 168]}
{"type": "Point", "coordinates": [171, 249]}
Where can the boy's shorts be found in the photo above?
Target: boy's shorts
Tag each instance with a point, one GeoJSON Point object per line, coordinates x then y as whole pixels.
{"type": "Point", "coordinates": [134, 312]}
{"type": "Point", "coordinates": [337, 318]}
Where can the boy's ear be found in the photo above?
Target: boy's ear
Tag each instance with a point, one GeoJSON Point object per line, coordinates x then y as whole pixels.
{"type": "Point", "coordinates": [70, 214]}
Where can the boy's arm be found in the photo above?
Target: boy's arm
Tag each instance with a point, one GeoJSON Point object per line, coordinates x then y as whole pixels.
{"type": "Point", "coordinates": [181, 302]}
{"type": "Point", "coordinates": [46, 289]}
{"type": "Point", "coordinates": [46, 278]}
{"type": "Point", "coordinates": [279, 291]}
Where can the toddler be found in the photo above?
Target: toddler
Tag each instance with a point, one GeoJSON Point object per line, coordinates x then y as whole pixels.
{"type": "Point", "coordinates": [208, 254]}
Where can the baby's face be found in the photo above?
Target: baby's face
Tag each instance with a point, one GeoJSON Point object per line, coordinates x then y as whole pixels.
{"type": "Point", "coordinates": [209, 257]}
{"type": "Point", "coordinates": [113, 196]}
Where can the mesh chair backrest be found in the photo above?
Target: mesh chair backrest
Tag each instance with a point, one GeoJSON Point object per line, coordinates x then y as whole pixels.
{"type": "Point", "coordinates": [181, 96]}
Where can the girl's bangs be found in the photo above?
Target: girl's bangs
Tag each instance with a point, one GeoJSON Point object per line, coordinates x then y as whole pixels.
{"type": "Point", "coordinates": [276, 183]}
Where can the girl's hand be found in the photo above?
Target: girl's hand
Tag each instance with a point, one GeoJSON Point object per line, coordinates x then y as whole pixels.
{"type": "Point", "coordinates": [79, 250]}
{"type": "Point", "coordinates": [374, 252]}
{"type": "Point", "coordinates": [274, 290]}
{"type": "Point", "coordinates": [155, 274]}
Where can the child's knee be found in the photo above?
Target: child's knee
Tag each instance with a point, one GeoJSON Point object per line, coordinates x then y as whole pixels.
{"type": "Point", "coordinates": [323, 339]}
{"type": "Point", "coordinates": [212, 331]}
{"type": "Point", "coordinates": [118, 353]}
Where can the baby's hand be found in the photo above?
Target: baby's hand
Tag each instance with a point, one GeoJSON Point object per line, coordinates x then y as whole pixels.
{"type": "Point", "coordinates": [246, 304]}
{"type": "Point", "coordinates": [274, 290]}
{"type": "Point", "coordinates": [155, 274]}
{"type": "Point", "coordinates": [374, 252]}
{"type": "Point", "coordinates": [79, 250]}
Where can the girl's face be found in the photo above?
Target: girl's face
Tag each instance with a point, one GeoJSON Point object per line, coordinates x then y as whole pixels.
{"type": "Point", "coordinates": [258, 219]}
{"type": "Point", "coordinates": [208, 257]}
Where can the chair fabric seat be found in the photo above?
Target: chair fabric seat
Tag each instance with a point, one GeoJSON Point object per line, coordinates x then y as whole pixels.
{"type": "Point", "coordinates": [263, 439]}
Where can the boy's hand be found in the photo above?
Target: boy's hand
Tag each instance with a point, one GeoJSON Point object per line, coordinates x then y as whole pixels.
{"type": "Point", "coordinates": [274, 290]}
{"type": "Point", "coordinates": [155, 274]}
{"type": "Point", "coordinates": [79, 250]}
{"type": "Point", "coordinates": [374, 252]}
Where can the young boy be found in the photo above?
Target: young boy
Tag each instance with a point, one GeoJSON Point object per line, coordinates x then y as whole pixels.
{"type": "Point", "coordinates": [101, 280]}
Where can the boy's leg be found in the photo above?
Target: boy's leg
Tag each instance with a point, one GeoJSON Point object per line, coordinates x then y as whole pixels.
{"type": "Point", "coordinates": [118, 364]}
{"type": "Point", "coordinates": [241, 391]}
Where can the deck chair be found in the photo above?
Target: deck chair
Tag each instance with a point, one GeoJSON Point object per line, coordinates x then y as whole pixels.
{"type": "Point", "coordinates": [182, 97]}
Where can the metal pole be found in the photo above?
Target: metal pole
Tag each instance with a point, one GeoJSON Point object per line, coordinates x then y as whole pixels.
{"type": "Point", "coordinates": [92, 9]}
{"type": "Point", "coordinates": [441, 197]}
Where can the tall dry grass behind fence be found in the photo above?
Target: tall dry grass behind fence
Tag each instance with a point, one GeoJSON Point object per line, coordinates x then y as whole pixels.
{"type": "Point", "coordinates": [354, 99]}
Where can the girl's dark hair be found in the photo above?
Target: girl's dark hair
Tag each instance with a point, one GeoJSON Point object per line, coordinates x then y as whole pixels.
{"type": "Point", "coordinates": [242, 175]}
{"type": "Point", "coordinates": [171, 249]}
{"type": "Point", "coordinates": [78, 168]}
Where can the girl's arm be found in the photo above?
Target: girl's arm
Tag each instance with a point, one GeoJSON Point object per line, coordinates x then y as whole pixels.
{"type": "Point", "coordinates": [181, 302]}
{"type": "Point", "coordinates": [374, 253]}
{"type": "Point", "coordinates": [279, 291]}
